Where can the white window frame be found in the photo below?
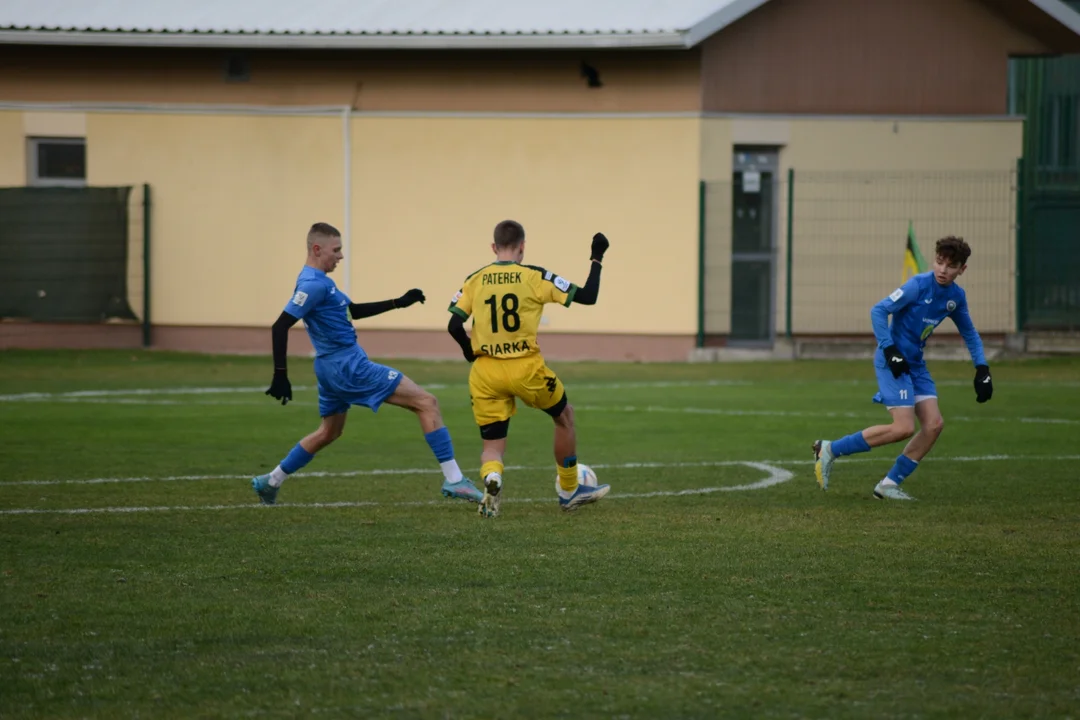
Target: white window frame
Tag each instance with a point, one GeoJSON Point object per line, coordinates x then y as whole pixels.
{"type": "Point", "coordinates": [33, 178]}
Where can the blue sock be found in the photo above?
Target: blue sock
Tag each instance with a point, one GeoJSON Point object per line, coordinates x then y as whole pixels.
{"type": "Point", "coordinates": [570, 461]}
{"type": "Point", "coordinates": [903, 468]}
{"type": "Point", "coordinates": [440, 444]}
{"type": "Point", "coordinates": [297, 458]}
{"type": "Point", "coordinates": [854, 443]}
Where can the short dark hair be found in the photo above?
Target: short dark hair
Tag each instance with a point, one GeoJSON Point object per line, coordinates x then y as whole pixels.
{"type": "Point", "coordinates": [321, 228]}
{"type": "Point", "coordinates": [953, 249]}
{"type": "Point", "coordinates": [319, 231]}
{"type": "Point", "coordinates": [508, 234]}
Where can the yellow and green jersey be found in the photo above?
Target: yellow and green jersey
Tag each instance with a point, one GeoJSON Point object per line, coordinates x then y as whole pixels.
{"type": "Point", "coordinates": [506, 301]}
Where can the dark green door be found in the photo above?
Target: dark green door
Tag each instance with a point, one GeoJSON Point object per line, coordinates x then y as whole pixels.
{"type": "Point", "coordinates": [753, 213]}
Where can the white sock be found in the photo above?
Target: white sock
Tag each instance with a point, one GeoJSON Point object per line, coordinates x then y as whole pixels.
{"type": "Point", "coordinates": [494, 476]}
{"type": "Point", "coordinates": [888, 482]}
{"type": "Point", "coordinates": [451, 471]}
{"type": "Point", "coordinates": [277, 476]}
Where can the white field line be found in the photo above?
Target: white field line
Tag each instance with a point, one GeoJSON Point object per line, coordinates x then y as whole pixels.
{"type": "Point", "coordinates": [119, 397]}
{"type": "Point", "coordinates": [774, 476]}
{"type": "Point", "coordinates": [376, 472]}
{"type": "Point", "coordinates": [798, 413]}
{"type": "Point", "coordinates": [85, 394]}
{"type": "Point", "coordinates": [144, 392]}
{"type": "Point", "coordinates": [79, 394]}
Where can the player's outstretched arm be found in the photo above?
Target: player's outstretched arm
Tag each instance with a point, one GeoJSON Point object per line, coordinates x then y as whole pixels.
{"type": "Point", "coordinates": [456, 328]}
{"type": "Point", "coordinates": [359, 311]}
{"type": "Point", "coordinates": [590, 291]}
{"type": "Point", "coordinates": [280, 387]}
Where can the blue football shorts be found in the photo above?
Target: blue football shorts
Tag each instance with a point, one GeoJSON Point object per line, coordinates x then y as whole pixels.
{"type": "Point", "coordinates": [352, 379]}
{"type": "Point", "coordinates": [905, 391]}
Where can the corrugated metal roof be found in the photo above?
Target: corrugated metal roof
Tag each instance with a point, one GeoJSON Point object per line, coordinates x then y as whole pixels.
{"type": "Point", "coordinates": [387, 23]}
{"type": "Point", "coordinates": [375, 23]}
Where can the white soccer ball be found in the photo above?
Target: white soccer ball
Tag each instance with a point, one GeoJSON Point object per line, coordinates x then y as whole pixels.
{"type": "Point", "coordinates": [585, 476]}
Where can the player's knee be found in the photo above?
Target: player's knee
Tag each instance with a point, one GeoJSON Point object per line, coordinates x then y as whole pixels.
{"type": "Point", "coordinates": [496, 430]}
{"type": "Point", "coordinates": [565, 419]}
{"type": "Point", "coordinates": [562, 412]}
{"type": "Point", "coordinates": [903, 429]}
{"type": "Point", "coordinates": [326, 435]}
{"type": "Point", "coordinates": [935, 426]}
{"type": "Point", "coordinates": [427, 403]}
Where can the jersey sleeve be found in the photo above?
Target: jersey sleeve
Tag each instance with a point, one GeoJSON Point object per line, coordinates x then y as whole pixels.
{"type": "Point", "coordinates": [899, 298]}
{"type": "Point", "coordinates": [962, 319]}
{"type": "Point", "coordinates": [308, 294]}
{"type": "Point", "coordinates": [462, 302]}
{"type": "Point", "coordinates": [552, 288]}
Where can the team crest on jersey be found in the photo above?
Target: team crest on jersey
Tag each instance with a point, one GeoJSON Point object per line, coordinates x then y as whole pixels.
{"type": "Point", "coordinates": [299, 298]}
{"type": "Point", "coordinates": [951, 305]}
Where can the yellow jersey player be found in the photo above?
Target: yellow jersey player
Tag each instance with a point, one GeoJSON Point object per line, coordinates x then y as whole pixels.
{"type": "Point", "coordinates": [506, 300]}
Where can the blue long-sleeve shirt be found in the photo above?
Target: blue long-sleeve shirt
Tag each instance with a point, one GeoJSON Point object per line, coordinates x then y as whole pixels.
{"type": "Point", "coordinates": [917, 308]}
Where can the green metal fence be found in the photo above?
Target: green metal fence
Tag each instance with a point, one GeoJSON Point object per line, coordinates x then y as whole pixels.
{"type": "Point", "coordinates": [1046, 91]}
{"type": "Point", "coordinates": [75, 256]}
{"type": "Point", "coordinates": [838, 246]}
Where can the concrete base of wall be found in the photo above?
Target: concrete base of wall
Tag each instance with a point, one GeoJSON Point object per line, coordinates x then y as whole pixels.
{"type": "Point", "coordinates": [842, 348]}
{"type": "Point", "coordinates": [782, 349]}
{"type": "Point", "coordinates": [64, 336]}
{"type": "Point", "coordinates": [1048, 343]}
{"type": "Point", "coordinates": [863, 349]}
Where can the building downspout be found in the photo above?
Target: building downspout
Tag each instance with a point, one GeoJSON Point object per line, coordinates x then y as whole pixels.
{"type": "Point", "coordinates": [346, 229]}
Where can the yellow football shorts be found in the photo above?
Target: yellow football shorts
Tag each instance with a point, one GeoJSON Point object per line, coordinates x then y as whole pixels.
{"type": "Point", "coordinates": [494, 384]}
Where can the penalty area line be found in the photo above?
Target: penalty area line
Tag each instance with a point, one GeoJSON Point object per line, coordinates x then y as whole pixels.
{"type": "Point", "coordinates": [774, 476]}
{"type": "Point", "coordinates": [376, 472]}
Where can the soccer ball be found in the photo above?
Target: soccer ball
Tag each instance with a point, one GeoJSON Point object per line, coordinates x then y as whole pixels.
{"type": "Point", "coordinates": [585, 476]}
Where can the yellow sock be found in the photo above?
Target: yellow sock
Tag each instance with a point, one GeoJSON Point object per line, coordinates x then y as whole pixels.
{"type": "Point", "coordinates": [568, 477]}
{"type": "Point", "coordinates": [491, 466]}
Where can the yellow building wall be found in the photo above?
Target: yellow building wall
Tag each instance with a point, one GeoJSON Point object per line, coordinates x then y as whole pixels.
{"type": "Point", "coordinates": [12, 149]}
{"type": "Point", "coordinates": [427, 193]}
{"type": "Point", "coordinates": [858, 182]}
{"type": "Point", "coordinates": [232, 198]}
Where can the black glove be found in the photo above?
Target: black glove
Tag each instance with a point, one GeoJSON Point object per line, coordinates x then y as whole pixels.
{"type": "Point", "coordinates": [280, 387]}
{"type": "Point", "coordinates": [416, 295]}
{"type": "Point", "coordinates": [984, 386]}
{"type": "Point", "coordinates": [600, 245]}
{"type": "Point", "coordinates": [895, 361]}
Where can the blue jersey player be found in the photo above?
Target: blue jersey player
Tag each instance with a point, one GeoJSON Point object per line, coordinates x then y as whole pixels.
{"type": "Point", "coordinates": [345, 374]}
{"type": "Point", "coordinates": [905, 386]}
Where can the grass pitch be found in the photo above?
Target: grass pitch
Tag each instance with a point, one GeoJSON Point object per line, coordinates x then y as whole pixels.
{"type": "Point", "coordinates": [139, 578]}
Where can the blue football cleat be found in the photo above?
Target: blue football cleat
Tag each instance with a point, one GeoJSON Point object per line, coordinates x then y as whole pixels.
{"type": "Point", "coordinates": [584, 495]}
{"type": "Point", "coordinates": [463, 489]}
{"type": "Point", "coordinates": [267, 493]}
